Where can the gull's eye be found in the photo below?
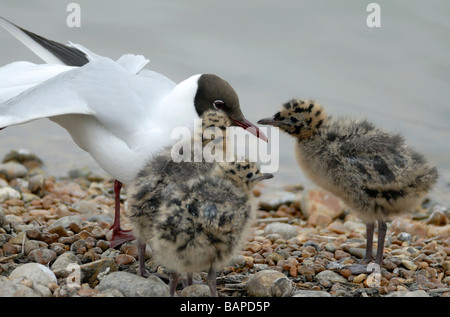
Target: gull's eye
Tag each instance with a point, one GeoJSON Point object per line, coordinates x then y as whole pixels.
{"type": "Point", "coordinates": [219, 104]}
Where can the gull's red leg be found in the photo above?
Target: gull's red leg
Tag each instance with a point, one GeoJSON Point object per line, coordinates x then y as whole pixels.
{"type": "Point", "coordinates": [119, 236]}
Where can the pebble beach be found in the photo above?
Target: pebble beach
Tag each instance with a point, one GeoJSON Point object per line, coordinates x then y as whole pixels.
{"type": "Point", "coordinates": [54, 242]}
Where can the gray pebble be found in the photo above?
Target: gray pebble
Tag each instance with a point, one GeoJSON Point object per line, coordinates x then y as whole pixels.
{"type": "Point", "coordinates": [196, 290]}
{"type": "Point", "coordinates": [287, 231]}
{"type": "Point", "coordinates": [331, 277]}
{"type": "Point", "coordinates": [306, 293]}
{"type": "Point", "coordinates": [61, 264]}
{"type": "Point", "coordinates": [66, 221]}
{"type": "Point", "coordinates": [12, 170]}
{"type": "Point", "coordinates": [13, 288]}
{"type": "Point", "coordinates": [404, 236]}
{"type": "Point", "coordinates": [36, 272]}
{"type": "Point", "coordinates": [418, 293]}
{"type": "Point", "coordinates": [131, 285]}
{"type": "Point", "coordinates": [268, 283]}
{"type": "Point", "coordinates": [273, 200]}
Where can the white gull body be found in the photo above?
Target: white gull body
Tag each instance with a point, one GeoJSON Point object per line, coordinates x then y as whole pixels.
{"type": "Point", "coordinates": [117, 111]}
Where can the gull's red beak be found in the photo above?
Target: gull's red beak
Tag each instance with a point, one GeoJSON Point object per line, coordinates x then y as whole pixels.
{"type": "Point", "coordinates": [250, 127]}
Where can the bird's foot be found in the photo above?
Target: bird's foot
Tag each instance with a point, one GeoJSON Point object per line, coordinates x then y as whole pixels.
{"type": "Point", "coordinates": [120, 236]}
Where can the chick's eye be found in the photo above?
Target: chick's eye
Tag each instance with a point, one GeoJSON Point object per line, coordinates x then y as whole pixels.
{"type": "Point", "coordinates": [219, 104]}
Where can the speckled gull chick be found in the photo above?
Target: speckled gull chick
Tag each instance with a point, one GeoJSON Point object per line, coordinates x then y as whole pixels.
{"type": "Point", "coordinates": [117, 111]}
{"type": "Point", "coordinates": [193, 221]}
{"type": "Point", "coordinates": [373, 171]}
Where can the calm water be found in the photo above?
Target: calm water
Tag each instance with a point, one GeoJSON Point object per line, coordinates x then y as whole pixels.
{"type": "Point", "coordinates": [398, 75]}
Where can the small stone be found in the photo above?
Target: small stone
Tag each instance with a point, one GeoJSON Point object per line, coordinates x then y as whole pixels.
{"type": "Point", "coordinates": [307, 293]}
{"type": "Point", "coordinates": [36, 272]}
{"type": "Point", "coordinates": [12, 288]}
{"type": "Point", "coordinates": [358, 252]}
{"type": "Point", "coordinates": [404, 237]}
{"type": "Point", "coordinates": [86, 207]}
{"type": "Point", "coordinates": [130, 249]}
{"type": "Point", "coordinates": [59, 230]}
{"type": "Point", "coordinates": [8, 193]}
{"type": "Point", "coordinates": [418, 293]}
{"type": "Point", "coordinates": [79, 247]}
{"type": "Point", "coordinates": [409, 265]}
{"type": "Point", "coordinates": [318, 219]}
{"type": "Point", "coordinates": [65, 222]}
{"type": "Point", "coordinates": [437, 218]}
{"type": "Point", "coordinates": [306, 270]}
{"type": "Point", "coordinates": [2, 217]}
{"type": "Point", "coordinates": [287, 231]}
{"type": "Point", "coordinates": [273, 200]}
{"type": "Point", "coordinates": [98, 233]}
{"type": "Point", "coordinates": [103, 245]}
{"type": "Point", "coordinates": [446, 266]}
{"type": "Point", "coordinates": [359, 278]}
{"type": "Point", "coordinates": [196, 290]}
{"type": "Point", "coordinates": [49, 238]}
{"type": "Point", "coordinates": [316, 200]}
{"type": "Point", "coordinates": [12, 170]}
{"type": "Point", "coordinates": [346, 273]}
{"type": "Point", "coordinates": [330, 276]}
{"type": "Point", "coordinates": [90, 272]}
{"type": "Point", "coordinates": [31, 245]}
{"type": "Point", "coordinates": [34, 234]}
{"type": "Point", "coordinates": [36, 184]}
{"type": "Point", "coordinates": [253, 247]}
{"type": "Point", "coordinates": [131, 285]}
{"type": "Point", "coordinates": [61, 266]}
{"type": "Point", "coordinates": [268, 283]}
{"type": "Point", "coordinates": [19, 239]}
{"type": "Point", "coordinates": [42, 256]}
{"type": "Point", "coordinates": [339, 254]}
{"type": "Point", "coordinates": [124, 259]}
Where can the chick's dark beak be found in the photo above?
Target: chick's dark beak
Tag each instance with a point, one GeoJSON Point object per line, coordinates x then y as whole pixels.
{"type": "Point", "coordinates": [269, 121]}
{"type": "Point", "coordinates": [263, 176]}
{"type": "Point", "coordinates": [250, 127]}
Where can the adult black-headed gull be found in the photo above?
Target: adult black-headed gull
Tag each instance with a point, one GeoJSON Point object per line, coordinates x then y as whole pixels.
{"type": "Point", "coordinates": [117, 111]}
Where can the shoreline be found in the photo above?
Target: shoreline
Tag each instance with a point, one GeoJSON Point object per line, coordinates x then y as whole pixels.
{"type": "Point", "coordinates": [62, 221]}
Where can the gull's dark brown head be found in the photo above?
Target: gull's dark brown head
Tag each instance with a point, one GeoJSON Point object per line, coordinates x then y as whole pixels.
{"type": "Point", "coordinates": [214, 93]}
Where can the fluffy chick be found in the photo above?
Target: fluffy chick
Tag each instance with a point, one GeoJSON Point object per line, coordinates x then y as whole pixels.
{"type": "Point", "coordinates": [197, 225]}
{"type": "Point", "coordinates": [373, 171]}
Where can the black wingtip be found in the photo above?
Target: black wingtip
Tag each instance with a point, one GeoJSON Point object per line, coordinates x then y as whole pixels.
{"type": "Point", "coordinates": [70, 56]}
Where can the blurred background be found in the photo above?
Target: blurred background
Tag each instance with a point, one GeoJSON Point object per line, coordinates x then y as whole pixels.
{"type": "Point", "coordinates": [397, 76]}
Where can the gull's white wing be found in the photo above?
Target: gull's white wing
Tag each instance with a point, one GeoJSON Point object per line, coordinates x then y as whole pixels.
{"type": "Point", "coordinates": [121, 101]}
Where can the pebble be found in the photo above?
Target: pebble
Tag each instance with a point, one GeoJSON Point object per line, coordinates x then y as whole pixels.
{"type": "Point", "coordinates": [287, 231]}
{"type": "Point", "coordinates": [13, 288]}
{"type": "Point", "coordinates": [8, 193]}
{"type": "Point", "coordinates": [65, 222]}
{"type": "Point", "coordinates": [409, 265]}
{"type": "Point", "coordinates": [36, 272]}
{"type": "Point", "coordinates": [61, 264]}
{"type": "Point", "coordinates": [12, 170]}
{"type": "Point", "coordinates": [268, 283]}
{"type": "Point", "coordinates": [273, 200]}
{"type": "Point", "coordinates": [418, 293]}
{"type": "Point", "coordinates": [42, 256]}
{"type": "Point", "coordinates": [2, 216]}
{"type": "Point", "coordinates": [131, 285]}
{"type": "Point", "coordinates": [316, 200]}
{"type": "Point", "coordinates": [196, 290]}
{"type": "Point", "coordinates": [328, 276]}
{"type": "Point", "coordinates": [47, 223]}
{"type": "Point", "coordinates": [92, 272]}
{"type": "Point", "coordinates": [306, 293]}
